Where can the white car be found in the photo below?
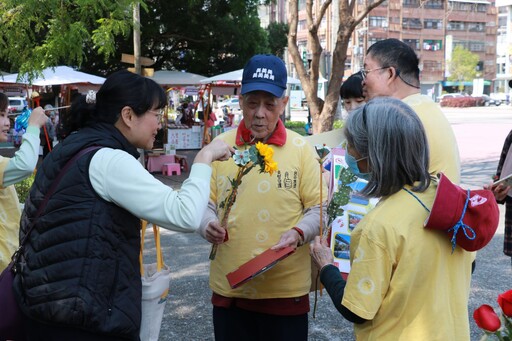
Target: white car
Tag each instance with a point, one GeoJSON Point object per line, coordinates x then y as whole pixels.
{"type": "Point", "coordinates": [16, 104]}
{"type": "Point", "coordinates": [231, 103]}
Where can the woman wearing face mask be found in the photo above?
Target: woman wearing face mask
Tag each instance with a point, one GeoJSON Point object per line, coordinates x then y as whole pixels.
{"type": "Point", "coordinates": [405, 283]}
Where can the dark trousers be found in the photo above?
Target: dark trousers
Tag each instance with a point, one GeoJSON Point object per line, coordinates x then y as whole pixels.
{"type": "Point", "coordinates": [234, 324]}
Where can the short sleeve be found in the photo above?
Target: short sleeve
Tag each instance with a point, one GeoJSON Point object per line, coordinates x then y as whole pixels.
{"type": "Point", "coordinates": [369, 277]}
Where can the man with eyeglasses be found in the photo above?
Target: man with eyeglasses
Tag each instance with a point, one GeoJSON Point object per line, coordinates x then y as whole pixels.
{"type": "Point", "coordinates": [391, 69]}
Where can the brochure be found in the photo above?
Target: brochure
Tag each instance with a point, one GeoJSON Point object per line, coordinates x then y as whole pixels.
{"type": "Point", "coordinates": [506, 181]}
{"type": "Point", "coordinates": [346, 208]}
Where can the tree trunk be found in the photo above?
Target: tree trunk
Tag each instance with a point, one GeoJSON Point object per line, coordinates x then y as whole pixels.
{"type": "Point", "coordinates": [323, 113]}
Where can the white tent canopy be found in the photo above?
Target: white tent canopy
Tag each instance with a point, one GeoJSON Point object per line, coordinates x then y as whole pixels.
{"type": "Point", "coordinates": [176, 78]}
{"type": "Point", "coordinates": [233, 76]}
{"type": "Point", "coordinates": [236, 76]}
{"type": "Point", "coordinates": [55, 76]}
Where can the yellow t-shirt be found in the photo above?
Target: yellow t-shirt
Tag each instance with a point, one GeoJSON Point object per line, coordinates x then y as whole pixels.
{"type": "Point", "coordinates": [9, 219]}
{"type": "Point", "coordinates": [444, 151]}
{"type": "Point", "coordinates": [266, 206]}
{"type": "Point", "coordinates": [404, 278]}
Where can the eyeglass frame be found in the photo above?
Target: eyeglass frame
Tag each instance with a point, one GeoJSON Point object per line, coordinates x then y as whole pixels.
{"type": "Point", "coordinates": [364, 72]}
{"type": "Point", "coordinates": [160, 113]}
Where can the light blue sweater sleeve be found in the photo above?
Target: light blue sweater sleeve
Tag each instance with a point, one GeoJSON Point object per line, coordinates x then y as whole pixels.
{"type": "Point", "coordinates": [119, 178]}
{"type": "Point", "coordinates": [25, 159]}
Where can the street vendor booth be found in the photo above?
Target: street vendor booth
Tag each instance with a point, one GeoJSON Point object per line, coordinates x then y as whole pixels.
{"type": "Point", "coordinates": [54, 85]}
{"type": "Point", "coordinates": [178, 135]}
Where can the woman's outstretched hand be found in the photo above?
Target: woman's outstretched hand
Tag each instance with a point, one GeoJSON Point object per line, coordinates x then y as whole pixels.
{"type": "Point", "coordinates": [217, 150]}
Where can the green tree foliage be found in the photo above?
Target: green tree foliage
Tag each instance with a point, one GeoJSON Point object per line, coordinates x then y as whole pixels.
{"type": "Point", "coordinates": [37, 34]}
{"type": "Point", "coordinates": [277, 38]}
{"type": "Point", "coordinates": [201, 36]}
{"type": "Point", "coordinates": [463, 66]}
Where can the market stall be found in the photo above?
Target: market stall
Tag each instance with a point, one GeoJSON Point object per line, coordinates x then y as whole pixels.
{"type": "Point", "coordinates": [186, 135]}
{"type": "Point", "coordinates": [54, 86]}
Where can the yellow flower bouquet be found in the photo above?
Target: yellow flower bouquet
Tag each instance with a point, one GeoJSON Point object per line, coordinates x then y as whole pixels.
{"type": "Point", "coordinates": [261, 155]}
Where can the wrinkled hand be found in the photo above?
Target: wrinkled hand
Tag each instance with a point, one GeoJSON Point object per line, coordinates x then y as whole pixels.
{"type": "Point", "coordinates": [320, 252]}
{"type": "Point", "coordinates": [217, 150]}
{"type": "Point", "coordinates": [215, 234]}
{"type": "Point", "coordinates": [37, 117]}
{"type": "Point", "coordinates": [289, 238]}
{"type": "Point", "coordinates": [500, 191]}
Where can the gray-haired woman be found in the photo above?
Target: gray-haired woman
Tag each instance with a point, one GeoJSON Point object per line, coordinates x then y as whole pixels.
{"type": "Point", "coordinates": [404, 283]}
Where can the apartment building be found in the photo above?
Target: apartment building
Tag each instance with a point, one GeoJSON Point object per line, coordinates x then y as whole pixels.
{"type": "Point", "coordinates": [503, 47]}
{"type": "Point", "coordinates": [431, 27]}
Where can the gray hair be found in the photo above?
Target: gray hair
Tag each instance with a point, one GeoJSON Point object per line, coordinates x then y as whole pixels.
{"type": "Point", "coordinates": [391, 135]}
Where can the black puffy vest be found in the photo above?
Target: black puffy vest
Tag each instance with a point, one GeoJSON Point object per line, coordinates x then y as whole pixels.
{"type": "Point", "coordinates": [80, 267]}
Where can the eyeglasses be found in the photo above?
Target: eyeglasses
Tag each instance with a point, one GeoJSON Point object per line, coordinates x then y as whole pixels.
{"type": "Point", "coordinates": [365, 73]}
{"type": "Point", "coordinates": [159, 113]}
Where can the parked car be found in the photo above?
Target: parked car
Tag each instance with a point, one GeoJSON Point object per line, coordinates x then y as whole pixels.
{"type": "Point", "coordinates": [500, 96]}
{"type": "Point", "coordinates": [452, 95]}
{"type": "Point", "coordinates": [488, 101]}
{"type": "Point", "coordinates": [231, 103]}
{"type": "Point", "coordinates": [16, 104]}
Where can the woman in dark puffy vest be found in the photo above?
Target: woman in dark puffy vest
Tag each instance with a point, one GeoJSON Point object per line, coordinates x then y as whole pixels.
{"type": "Point", "coordinates": [79, 276]}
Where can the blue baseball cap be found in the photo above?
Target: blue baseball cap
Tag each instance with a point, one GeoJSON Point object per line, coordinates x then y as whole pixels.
{"type": "Point", "coordinates": [264, 72]}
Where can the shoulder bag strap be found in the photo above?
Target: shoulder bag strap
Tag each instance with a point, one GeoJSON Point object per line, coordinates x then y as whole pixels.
{"type": "Point", "coordinates": [49, 194]}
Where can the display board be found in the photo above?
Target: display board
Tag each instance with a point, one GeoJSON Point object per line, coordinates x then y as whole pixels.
{"type": "Point", "coordinates": [190, 138]}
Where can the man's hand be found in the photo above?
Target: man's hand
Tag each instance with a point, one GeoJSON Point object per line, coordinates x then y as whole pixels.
{"type": "Point", "coordinates": [500, 191]}
{"type": "Point", "coordinates": [289, 238]}
{"type": "Point", "coordinates": [214, 233]}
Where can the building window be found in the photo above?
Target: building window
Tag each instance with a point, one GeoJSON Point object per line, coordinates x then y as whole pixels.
{"type": "Point", "coordinates": [461, 6]}
{"type": "Point", "coordinates": [455, 26]}
{"type": "Point", "coordinates": [435, 4]}
{"type": "Point", "coordinates": [411, 3]}
{"type": "Point", "coordinates": [432, 65]}
{"type": "Point", "coordinates": [432, 45]}
{"type": "Point", "coordinates": [301, 25]}
{"type": "Point", "coordinates": [413, 23]}
{"type": "Point", "coordinates": [413, 43]}
{"type": "Point", "coordinates": [476, 46]}
{"type": "Point", "coordinates": [378, 22]}
{"type": "Point", "coordinates": [502, 21]}
{"type": "Point", "coordinates": [481, 8]}
{"type": "Point", "coordinates": [373, 40]}
{"type": "Point", "coordinates": [476, 26]}
{"type": "Point", "coordinates": [435, 24]}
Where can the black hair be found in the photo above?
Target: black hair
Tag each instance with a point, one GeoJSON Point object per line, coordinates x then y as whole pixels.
{"type": "Point", "coordinates": [352, 87]}
{"type": "Point", "coordinates": [4, 101]}
{"type": "Point", "coordinates": [121, 89]}
{"type": "Point", "coordinates": [395, 53]}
